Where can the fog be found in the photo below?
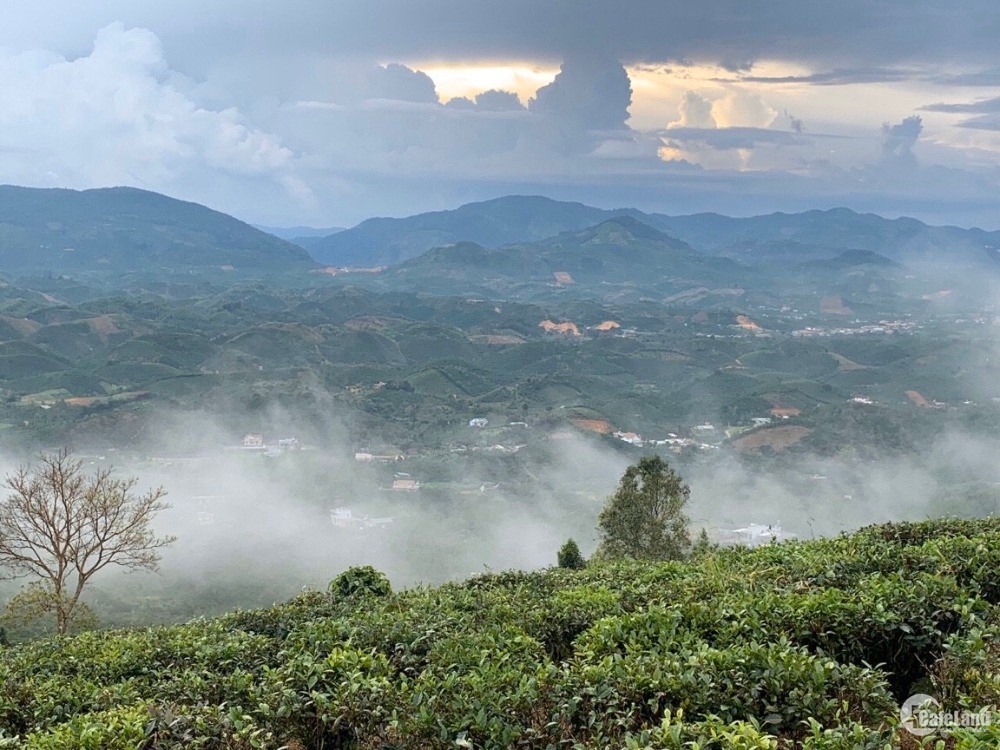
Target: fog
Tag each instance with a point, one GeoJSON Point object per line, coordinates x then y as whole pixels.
{"type": "Point", "coordinates": [254, 527]}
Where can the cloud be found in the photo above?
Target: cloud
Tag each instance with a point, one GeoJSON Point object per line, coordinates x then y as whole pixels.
{"type": "Point", "coordinates": [493, 100]}
{"type": "Point", "coordinates": [847, 34]}
{"type": "Point", "coordinates": [589, 93]}
{"type": "Point", "coordinates": [837, 77]}
{"type": "Point", "coordinates": [983, 105]}
{"type": "Point", "coordinates": [498, 101]}
{"type": "Point", "coordinates": [735, 137]}
{"type": "Point", "coordinates": [737, 122]}
{"type": "Point", "coordinates": [305, 113]}
{"type": "Point", "coordinates": [398, 82]}
{"type": "Point", "coordinates": [119, 116]}
{"type": "Point", "coordinates": [694, 111]}
{"type": "Point", "coordinates": [742, 108]}
{"type": "Point", "coordinates": [985, 122]}
{"type": "Point", "coordinates": [736, 109]}
{"type": "Point", "coordinates": [898, 139]}
{"type": "Point", "coordinates": [978, 78]}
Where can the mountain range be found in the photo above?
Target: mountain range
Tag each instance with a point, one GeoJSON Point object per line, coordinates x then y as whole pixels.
{"type": "Point", "coordinates": [522, 219]}
{"type": "Point", "coordinates": [116, 302]}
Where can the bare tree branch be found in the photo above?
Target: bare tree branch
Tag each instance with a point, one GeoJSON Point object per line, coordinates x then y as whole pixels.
{"type": "Point", "coordinates": [63, 527]}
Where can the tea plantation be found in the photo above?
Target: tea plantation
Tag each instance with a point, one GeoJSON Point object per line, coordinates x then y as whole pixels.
{"type": "Point", "coordinates": [797, 645]}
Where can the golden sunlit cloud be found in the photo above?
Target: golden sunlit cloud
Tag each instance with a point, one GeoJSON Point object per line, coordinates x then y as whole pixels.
{"type": "Point", "coordinates": [468, 79]}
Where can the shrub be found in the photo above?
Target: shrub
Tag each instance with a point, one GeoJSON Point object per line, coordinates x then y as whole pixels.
{"type": "Point", "coordinates": [363, 580]}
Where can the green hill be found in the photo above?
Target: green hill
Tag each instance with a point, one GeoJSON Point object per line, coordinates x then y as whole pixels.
{"type": "Point", "coordinates": [808, 645]}
{"type": "Point", "coordinates": [616, 251]}
{"type": "Point", "coordinates": [502, 221]}
{"type": "Point", "coordinates": [117, 230]}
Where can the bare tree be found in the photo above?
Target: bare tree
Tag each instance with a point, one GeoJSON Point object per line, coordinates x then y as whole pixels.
{"type": "Point", "coordinates": [63, 527]}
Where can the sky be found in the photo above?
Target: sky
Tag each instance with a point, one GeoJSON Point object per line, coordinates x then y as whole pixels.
{"type": "Point", "coordinates": [325, 113]}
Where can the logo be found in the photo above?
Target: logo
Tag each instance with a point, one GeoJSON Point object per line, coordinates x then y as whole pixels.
{"type": "Point", "coordinates": [914, 711]}
{"type": "Point", "coordinates": [921, 715]}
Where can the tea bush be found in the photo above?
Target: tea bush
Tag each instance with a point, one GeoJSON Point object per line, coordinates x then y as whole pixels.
{"type": "Point", "coordinates": [796, 645]}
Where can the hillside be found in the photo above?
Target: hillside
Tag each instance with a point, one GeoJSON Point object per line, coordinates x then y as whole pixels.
{"type": "Point", "coordinates": [620, 250]}
{"type": "Point", "coordinates": [799, 645]}
{"type": "Point", "coordinates": [524, 219]}
{"type": "Point", "coordinates": [119, 230]}
{"type": "Point", "coordinates": [502, 221]}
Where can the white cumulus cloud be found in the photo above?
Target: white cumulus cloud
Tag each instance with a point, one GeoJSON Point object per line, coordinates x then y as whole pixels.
{"type": "Point", "coordinates": [120, 115]}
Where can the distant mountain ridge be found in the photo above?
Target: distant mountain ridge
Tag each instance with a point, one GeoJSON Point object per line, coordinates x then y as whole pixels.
{"type": "Point", "coordinates": [298, 232]}
{"type": "Point", "coordinates": [517, 219]}
{"type": "Point", "coordinates": [492, 223]}
{"type": "Point", "coordinates": [127, 230]}
{"type": "Point", "coordinates": [842, 228]}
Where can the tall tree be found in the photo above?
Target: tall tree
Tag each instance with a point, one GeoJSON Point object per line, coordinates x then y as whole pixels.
{"type": "Point", "coordinates": [644, 518]}
{"type": "Point", "coordinates": [62, 527]}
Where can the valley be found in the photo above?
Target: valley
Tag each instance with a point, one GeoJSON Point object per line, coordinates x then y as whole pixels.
{"type": "Point", "coordinates": [471, 376]}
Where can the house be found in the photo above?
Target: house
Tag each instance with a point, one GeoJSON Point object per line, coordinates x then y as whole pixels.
{"type": "Point", "coordinates": [706, 427]}
{"type": "Point", "coordinates": [757, 534]}
{"type": "Point", "coordinates": [288, 444]}
{"type": "Point", "coordinates": [478, 422]}
{"type": "Point", "coordinates": [629, 437]}
{"type": "Point", "coordinates": [344, 518]}
{"type": "Point", "coordinates": [863, 400]}
{"type": "Point", "coordinates": [253, 440]}
{"type": "Point", "coordinates": [405, 485]}
{"type": "Point", "coordinates": [761, 421]}
{"type": "Point", "coordinates": [368, 457]}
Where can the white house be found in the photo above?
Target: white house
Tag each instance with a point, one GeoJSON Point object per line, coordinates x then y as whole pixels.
{"type": "Point", "coordinates": [478, 422]}
{"type": "Point", "coordinates": [631, 438]}
{"type": "Point", "coordinates": [757, 534]}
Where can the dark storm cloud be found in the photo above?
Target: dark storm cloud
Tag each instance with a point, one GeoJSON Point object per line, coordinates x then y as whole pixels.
{"type": "Point", "coordinates": [980, 78]}
{"type": "Point", "coordinates": [898, 139]}
{"type": "Point", "coordinates": [985, 122]}
{"type": "Point", "coordinates": [980, 107]}
{"type": "Point", "coordinates": [838, 77]}
{"type": "Point", "coordinates": [398, 82]}
{"type": "Point", "coordinates": [854, 34]}
{"type": "Point", "coordinates": [498, 101]}
{"type": "Point", "coordinates": [494, 100]}
{"type": "Point", "coordinates": [589, 92]}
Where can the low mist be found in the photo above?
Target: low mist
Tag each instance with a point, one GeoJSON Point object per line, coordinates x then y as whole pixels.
{"type": "Point", "coordinates": [255, 527]}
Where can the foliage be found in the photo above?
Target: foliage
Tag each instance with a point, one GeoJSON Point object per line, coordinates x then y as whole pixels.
{"type": "Point", "coordinates": [805, 645]}
{"type": "Point", "coordinates": [361, 580]}
{"type": "Point", "coordinates": [569, 556]}
{"type": "Point", "coordinates": [37, 601]}
{"type": "Point", "coordinates": [644, 518]}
